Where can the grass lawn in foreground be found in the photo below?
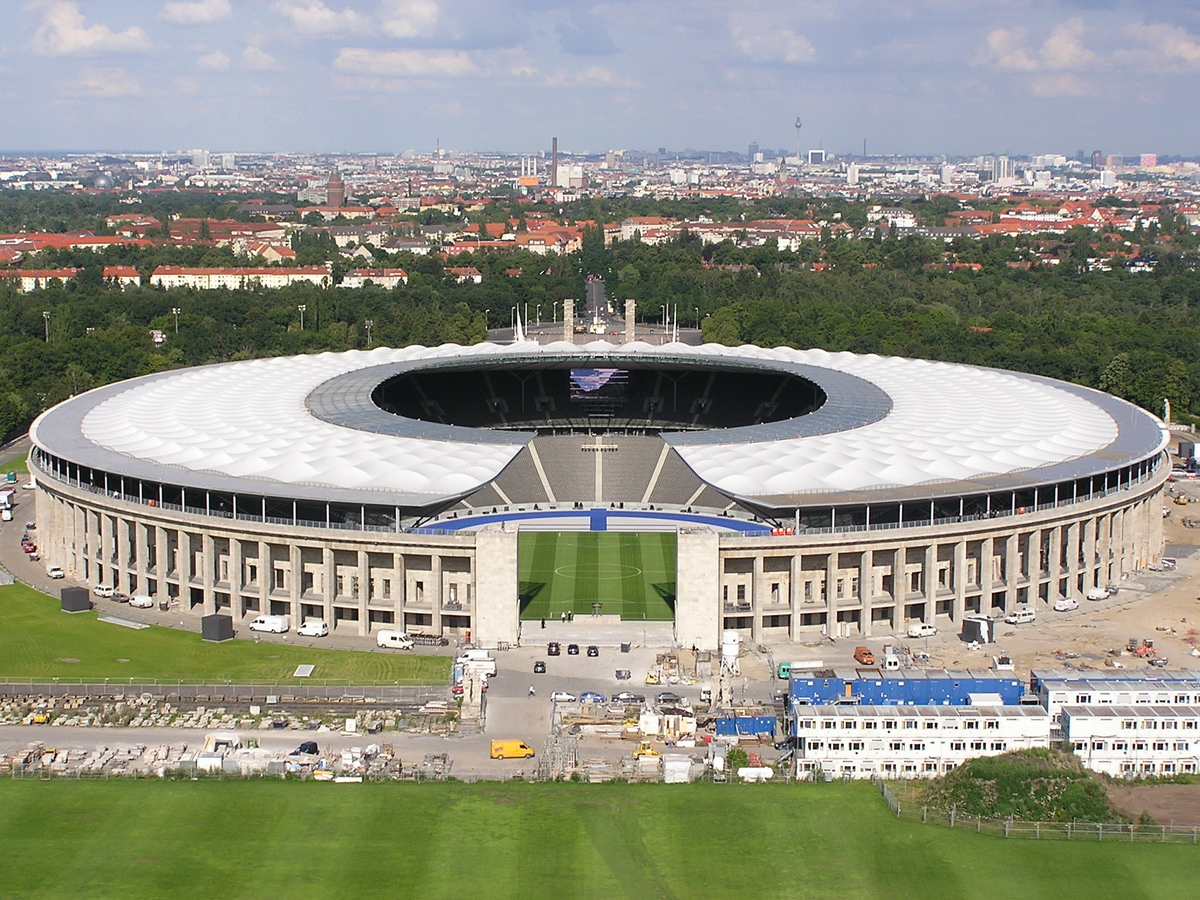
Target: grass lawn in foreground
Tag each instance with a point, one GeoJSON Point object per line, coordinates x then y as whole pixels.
{"type": "Point", "coordinates": [40, 641]}
{"type": "Point", "coordinates": [267, 839]}
{"type": "Point", "coordinates": [631, 573]}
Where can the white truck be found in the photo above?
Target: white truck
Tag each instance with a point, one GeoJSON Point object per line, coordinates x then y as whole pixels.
{"type": "Point", "coordinates": [270, 624]}
{"type": "Point", "coordinates": [8, 498]}
{"type": "Point", "coordinates": [478, 661]}
{"type": "Point", "coordinates": [396, 640]}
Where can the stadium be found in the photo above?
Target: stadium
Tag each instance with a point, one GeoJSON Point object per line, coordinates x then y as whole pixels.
{"type": "Point", "coordinates": [467, 490]}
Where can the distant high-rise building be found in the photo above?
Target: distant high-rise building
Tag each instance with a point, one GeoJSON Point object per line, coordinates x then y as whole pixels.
{"type": "Point", "coordinates": [852, 173]}
{"type": "Point", "coordinates": [1149, 160]}
{"type": "Point", "coordinates": [947, 173]}
{"type": "Point", "coordinates": [200, 159]}
{"type": "Point", "coordinates": [1002, 169]}
{"type": "Point", "coordinates": [228, 161]}
{"type": "Point", "coordinates": [335, 190]}
{"type": "Point", "coordinates": [752, 151]}
{"type": "Point", "coordinates": [1112, 162]}
{"type": "Point", "coordinates": [816, 157]}
{"type": "Point", "coordinates": [1097, 159]}
{"type": "Point", "coordinates": [1108, 178]}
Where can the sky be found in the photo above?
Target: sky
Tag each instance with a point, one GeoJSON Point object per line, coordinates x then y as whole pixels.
{"type": "Point", "coordinates": [955, 77]}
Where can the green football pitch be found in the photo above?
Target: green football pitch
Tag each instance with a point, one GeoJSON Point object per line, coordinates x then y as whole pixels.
{"type": "Point", "coordinates": [260, 840]}
{"type": "Point", "coordinates": [632, 574]}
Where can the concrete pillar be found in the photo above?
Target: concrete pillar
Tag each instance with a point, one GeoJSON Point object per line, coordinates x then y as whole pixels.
{"type": "Point", "coordinates": [1012, 571]}
{"type": "Point", "coordinates": [959, 580]}
{"type": "Point", "coordinates": [209, 553]}
{"type": "Point", "coordinates": [107, 551]}
{"type": "Point", "coordinates": [630, 317]}
{"type": "Point", "coordinates": [139, 536]}
{"type": "Point", "coordinates": [266, 576]}
{"type": "Point", "coordinates": [497, 607]}
{"type": "Point", "coordinates": [237, 571]}
{"type": "Point", "coordinates": [756, 595]}
{"type": "Point", "coordinates": [1071, 545]}
{"type": "Point", "coordinates": [866, 590]}
{"type": "Point", "coordinates": [899, 586]}
{"type": "Point", "coordinates": [398, 579]}
{"type": "Point", "coordinates": [930, 579]}
{"type": "Point", "coordinates": [1054, 564]}
{"type": "Point", "coordinates": [364, 591]}
{"type": "Point", "coordinates": [162, 562]}
{"type": "Point", "coordinates": [1089, 552]}
{"type": "Point", "coordinates": [295, 579]}
{"type": "Point", "coordinates": [987, 553]}
{"type": "Point", "coordinates": [329, 587]}
{"type": "Point", "coordinates": [569, 321]}
{"type": "Point", "coordinates": [831, 600]}
{"type": "Point", "coordinates": [437, 593]}
{"type": "Point", "coordinates": [795, 601]}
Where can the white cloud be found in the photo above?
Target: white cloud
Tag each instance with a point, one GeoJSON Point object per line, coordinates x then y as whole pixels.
{"type": "Point", "coordinates": [1062, 51]}
{"type": "Point", "coordinates": [408, 18]}
{"type": "Point", "coordinates": [1058, 84]}
{"type": "Point", "coordinates": [107, 83]}
{"type": "Point", "coordinates": [314, 17]}
{"type": "Point", "coordinates": [764, 44]}
{"type": "Point", "coordinates": [63, 31]}
{"type": "Point", "coordinates": [256, 58]}
{"type": "Point", "coordinates": [196, 12]}
{"type": "Point", "coordinates": [1164, 48]}
{"type": "Point", "coordinates": [216, 61]}
{"type": "Point", "coordinates": [404, 63]}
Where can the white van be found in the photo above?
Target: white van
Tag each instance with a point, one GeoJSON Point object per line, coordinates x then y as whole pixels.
{"type": "Point", "coordinates": [1020, 616]}
{"type": "Point", "coordinates": [891, 662]}
{"type": "Point", "coordinates": [397, 640]}
{"type": "Point", "coordinates": [921, 629]}
{"type": "Point", "coordinates": [270, 624]}
{"type": "Point", "coordinates": [313, 628]}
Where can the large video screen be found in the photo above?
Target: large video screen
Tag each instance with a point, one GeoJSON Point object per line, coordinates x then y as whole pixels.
{"type": "Point", "coordinates": [591, 385]}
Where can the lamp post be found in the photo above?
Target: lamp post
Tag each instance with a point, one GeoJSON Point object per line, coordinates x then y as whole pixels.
{"type": "Point", "coordinates": [302, 307]}
{"type": "Point", "coordinates": [539, 314]}
{"type": "Point", "coordinates": [697, 309]}
{"type": "Point", "coordinates": [554, 311]}
{"type": "Point", "coordinates": [369, 324]}
{"type": "Point", "coordinates": [46, 317]}
{"type": "Point", "coordinates": [175, 312]}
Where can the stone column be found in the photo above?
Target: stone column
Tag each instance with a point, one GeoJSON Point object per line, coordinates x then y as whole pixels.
{"type": "Point", "coordinates": [987, 564]}
{"type": "Point", "coordinates": [831, 600]}
{"type": "Point", "coordinates": [1055, 563]}
{"type": "Point", "coordinates": [139, 537]}
{"type": "Point", "coordinates": [295, 579]}
{"type": "Point", "coordinates": [1089, 553]}
{"type": "Point", "coordinates": [569, 321]}
{"type": "Point", "coordinates": [398, 580]}
{"type": "Point", "coordinates": [437, 592]}
{"type": "Point", "coordinates": [630, 319]}
{"type": "Point", "coordinates": [237, 565]}
{"type": "Point", "coordinates": [866, 590]}
{"type": "Point", "coordinates": [497, 607]}
{"type": "Point", "coordinates": [795, 600]}
{"type": "Point", "coordinates": [930, 579]}
{"type": "Point", "coordinates": [329, 588]}
{"type": "Point", "coordinates": [756, 595]}
{"type": "Point", "coordinates": [162, 562]}
{"type": "Point", "coordinates": [209, 562]}
{"type": "Point", "coordinates": [959, 579]}
{"type": "Point", "coordinates": [1012, 571]}
{"type": "Point", "coordinates": [364, 591]}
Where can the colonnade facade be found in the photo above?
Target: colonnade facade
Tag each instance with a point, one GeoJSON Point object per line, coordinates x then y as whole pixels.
{"type": "Point", "coordinates": [770, 588]}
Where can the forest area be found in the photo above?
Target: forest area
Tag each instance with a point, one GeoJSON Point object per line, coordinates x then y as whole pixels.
{"type": "Point", "coordinates": [1136, 335]}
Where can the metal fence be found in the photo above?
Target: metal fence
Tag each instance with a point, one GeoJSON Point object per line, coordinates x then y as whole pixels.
{"type": "Point", "coordinates": [907, 804]}
{"type": "Point", "coordinates": [216, 692]}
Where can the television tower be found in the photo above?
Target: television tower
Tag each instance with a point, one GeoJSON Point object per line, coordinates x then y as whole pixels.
{"type": "Point", "coordinates": [798, 124]}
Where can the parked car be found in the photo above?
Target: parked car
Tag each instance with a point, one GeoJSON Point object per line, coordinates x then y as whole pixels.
{"type": "Point", "coordinates": [628, 697]}
{"type": "Point", "coordinates": [921, 629]}
{"type": "Point", "coordinates": [306, 748]}
{"type": "Point", "coordinates": [142, 601]}
{"type": "Point", "coordinates": [592, 697]}
{"type": "Point", "coordinates": [553, 649]}
{"type": "Point", "coordinates": [593, 650]}
{"type": "Point", "coordinates": [313, 628]}
{"type": "Point", "coordinates": [572, 649]}
{"type": "Point", "coordinates": [1064, 604]}
{"type": "Point", "coordinates": [863, 656]}
{"type": "Point", "coordinates": [103, 590]}
{"type": "Point", "coordinates": [562, 697]}
{"type": "Point", "coordinates": [668, 698]}
{"type": "Point", "coordinates": [539, 667]}
{"type": "Point", "coordinates": [55, 572]}
{"type": "Point", "coordinates": [458, 689]}
{"type": "Point", "coordinates": [1021, 616]}
{"type": "Point", "coordinates": [791, 742]}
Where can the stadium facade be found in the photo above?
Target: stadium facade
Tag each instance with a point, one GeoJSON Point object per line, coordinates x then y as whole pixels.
{"type": "Point", "coordinates": [812, 492]}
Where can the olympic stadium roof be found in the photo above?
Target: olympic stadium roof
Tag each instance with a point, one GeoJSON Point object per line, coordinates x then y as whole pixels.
{"type": "Point", "coordinates": [305, 426]}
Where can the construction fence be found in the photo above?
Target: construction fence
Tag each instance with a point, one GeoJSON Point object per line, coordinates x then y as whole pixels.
{"type": "Point", "coordinates": [907, 804]}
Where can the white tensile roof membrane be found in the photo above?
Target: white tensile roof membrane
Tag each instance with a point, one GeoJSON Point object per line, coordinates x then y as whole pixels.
{"type": "Point", "coordinates": [254, 421]}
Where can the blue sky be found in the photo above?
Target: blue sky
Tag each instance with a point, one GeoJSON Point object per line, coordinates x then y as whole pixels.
{"type": "Point", "coordinates": [909, 76]}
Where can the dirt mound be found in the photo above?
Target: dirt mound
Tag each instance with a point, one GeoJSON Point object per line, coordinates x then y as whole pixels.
{"type": "Point", "coordinates": [1167, 804]}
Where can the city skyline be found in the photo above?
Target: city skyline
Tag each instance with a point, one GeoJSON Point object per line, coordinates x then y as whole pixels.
{"type": "Point", "coordinates": [917, 77]}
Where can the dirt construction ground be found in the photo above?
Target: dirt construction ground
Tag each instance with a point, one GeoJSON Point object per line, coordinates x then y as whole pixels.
{"type": "Point", "coordinates": [1168, 804]}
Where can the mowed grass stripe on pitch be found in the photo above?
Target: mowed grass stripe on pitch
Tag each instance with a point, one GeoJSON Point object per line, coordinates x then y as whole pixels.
{"type": "Point", "coordinates": [206, 839]}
